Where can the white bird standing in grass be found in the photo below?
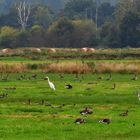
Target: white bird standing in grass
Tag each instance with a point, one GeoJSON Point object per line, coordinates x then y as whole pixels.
{"type": "Point", "coordinates": [51, 85]}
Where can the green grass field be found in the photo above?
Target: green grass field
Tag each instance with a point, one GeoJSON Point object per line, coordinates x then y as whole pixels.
{"type": "Point", "coordinates": [52, 121]}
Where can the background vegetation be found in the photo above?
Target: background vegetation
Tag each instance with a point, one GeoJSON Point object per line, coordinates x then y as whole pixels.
{"type": "Point", "coordinates": [76, 25]}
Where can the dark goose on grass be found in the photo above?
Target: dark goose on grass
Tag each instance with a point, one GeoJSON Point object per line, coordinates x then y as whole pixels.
{"type": "Point", "coordinates": [105, 121]}
{"type": "Point", "coordinates": [79, 121]}
{"type": "Point", "coordinates": [86, 111]}
{"type": "Point", "coordinates": [124, 113]}
{"type": "Point", "coordinates": [68, 86]}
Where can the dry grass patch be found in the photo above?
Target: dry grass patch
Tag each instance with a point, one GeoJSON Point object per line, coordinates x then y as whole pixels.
{"type": "Point", "coordinates": [108, 67]}
{"type": "Point", "coordinates": [13, 68]}
{"type": "Point", "coordinates": [68, 67]}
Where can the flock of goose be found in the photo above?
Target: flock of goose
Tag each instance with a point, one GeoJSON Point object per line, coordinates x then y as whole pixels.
{"type": "Point", "coordinates": [69, 86]}
{"type": "Point", "coordinates": [86, 111]}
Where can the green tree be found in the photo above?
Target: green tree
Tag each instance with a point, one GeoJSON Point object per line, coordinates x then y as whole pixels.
{"type": "Point", "coordinates": [80, 9]}
{"type": "Point", "coordinates": [43, 15]}
{"type": "Point", "coordinates": [109, 35]}
{"type": "Point", "coordinates": [22, 39]}
{"type": "Point", "coordinates": [123, 7]}
{"type": "Point", "coordinates": [60, 33]}
{"type": "Point", "coordinates": [130, 30]}
{"type": "Point", "coordinates": [75, 33]}
{"type": "Point", "coordinates": [37, 36]}
{"type": "Point", "coordinates": [85, 34]}
{"type": "Point", "coordinates": [105, 12]}
{"type": "Point", "coordinates": [8, 37]}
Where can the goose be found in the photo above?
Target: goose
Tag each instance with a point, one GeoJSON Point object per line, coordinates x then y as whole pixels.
{"type": "Point", "coordinates": [79, 121]}
{"type": "Point", "coordinates": [68, 86]}
{"type": "Point", "coordinates": [86, 111]}
{"type": "Point", "coordinates": [124, 113]}
{"type": "Point", "coordinates": [106, 121]}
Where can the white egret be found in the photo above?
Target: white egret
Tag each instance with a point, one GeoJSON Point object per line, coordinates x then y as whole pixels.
{"type": "Point", "coordinates": [51, 85]}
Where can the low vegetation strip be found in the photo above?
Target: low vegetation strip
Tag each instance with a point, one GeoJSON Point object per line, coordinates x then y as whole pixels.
{"type": "Point", "coordinates": [69, 67]}
{"type": "Point", "coordinates": [13, 68]}
{"type": "Point", "coordinates": [72, 67]}
{"type": "Point", "coordinates": [115, 67]}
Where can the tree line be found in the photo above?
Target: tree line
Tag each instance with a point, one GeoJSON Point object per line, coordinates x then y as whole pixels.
{"type": "Point", "coordinates": [79, 24]}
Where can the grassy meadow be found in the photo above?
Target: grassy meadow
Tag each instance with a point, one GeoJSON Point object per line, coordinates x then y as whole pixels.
{"type": "Point", "coordinates": [32, 111]}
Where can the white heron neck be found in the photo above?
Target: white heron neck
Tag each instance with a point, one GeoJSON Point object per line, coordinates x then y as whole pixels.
{"type": "Point", "coordinates": [48, 80]}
